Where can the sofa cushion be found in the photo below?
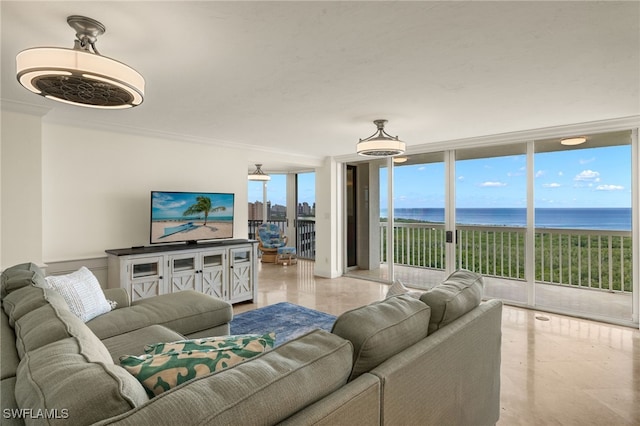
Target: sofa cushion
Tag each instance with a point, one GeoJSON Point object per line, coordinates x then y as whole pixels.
{"type": "Point", "coordinates": [208, 343]}
{"type": "Point", "coordinates": [20, 302]}
{"type": "Point", "coordinates": [134, 342]}
{"type": "Point", "coordinates": [185, 312]}
{"type": "Point", "coordinates": [45, 325]}
{"type": "Point", "coordinates": [19, 276]}
{"type": "Point", "coordinates": [305, 369]}
{"type": "Point", "coordinates": [82, 292]}
{"type": "Point", "coordinates": [76, 374]}
{"type": "Point", "coordinates": [9, 355]}
{"type": "Point", "coordinates": [8, 402]}
{"type": "Point", "coordinates": [457, 295]}
{"type": "Point", "coordinates": [163, 371]}
{"type": "Point", "coordinates": [382, 329]}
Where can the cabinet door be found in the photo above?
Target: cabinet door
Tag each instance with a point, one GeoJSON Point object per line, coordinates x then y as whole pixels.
{"type": "Point", "coordinates": [240, 282]}
{"type": "Point", "coordinates": [213, 273]}
{"type": "Point", "coordinates": [145, 277]}
{"type": "Point", "coordinates": [184, 273]}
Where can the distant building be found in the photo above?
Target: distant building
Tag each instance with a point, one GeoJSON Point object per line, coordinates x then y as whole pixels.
{"type": "Point", "coordinates": [255, 211]}
{"type": "Point", "coordinates": [279, 212]}
{"type": "Point", "coordinates": [305, 210]}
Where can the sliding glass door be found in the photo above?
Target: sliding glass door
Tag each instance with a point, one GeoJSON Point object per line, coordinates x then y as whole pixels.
{"type": "Point", "coordinates": [419, 219]}
{"type": "Point", "coordinates": [491, 217]}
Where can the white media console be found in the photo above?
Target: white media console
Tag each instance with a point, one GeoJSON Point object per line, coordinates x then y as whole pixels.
{"type": "Point", "coordinates": [225, 269]}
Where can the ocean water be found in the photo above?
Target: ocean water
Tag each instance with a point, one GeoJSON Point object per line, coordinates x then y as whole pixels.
{"type": "Point", "coordinates": [612, 219]}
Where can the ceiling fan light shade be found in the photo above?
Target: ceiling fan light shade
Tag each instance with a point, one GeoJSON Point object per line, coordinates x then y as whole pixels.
{"type": "Point", "coordinates": [573, 141]}
{"type": "Point", "coordinates": [258, 174]}
{"type": "Point", "coordinates": [380, 144]}
{"type": "Point", "coordinates": [79, 78]}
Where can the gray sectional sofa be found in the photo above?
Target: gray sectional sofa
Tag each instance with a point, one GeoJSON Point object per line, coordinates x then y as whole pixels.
{"type": "Point", "coordinates": [398, 361]}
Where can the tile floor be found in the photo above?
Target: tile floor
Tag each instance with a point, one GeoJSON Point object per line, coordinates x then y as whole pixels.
{"type": "Point", "coordinates": [556, 370]}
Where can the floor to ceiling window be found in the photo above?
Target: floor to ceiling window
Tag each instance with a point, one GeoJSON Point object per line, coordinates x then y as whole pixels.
{"type": "Point", "coordinates": [583, 226]}
{"type": "Point", "coordinates": [548, 225]}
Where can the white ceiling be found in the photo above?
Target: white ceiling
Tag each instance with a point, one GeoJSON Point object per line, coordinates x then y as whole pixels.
{"type": "Point", "coordinates": [308, 78]}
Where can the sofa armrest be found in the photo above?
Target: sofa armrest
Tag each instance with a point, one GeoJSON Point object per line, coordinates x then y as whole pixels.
{"type": "Point", "coordinates": [453, 375]}
{"type": "Point", "coordinates": [356, 403]}
{"type": "Point", "coordinates": [118, 295]}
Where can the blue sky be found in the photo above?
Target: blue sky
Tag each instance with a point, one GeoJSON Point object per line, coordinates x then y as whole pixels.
{"type": "Point", "coordinates": [596, 177]}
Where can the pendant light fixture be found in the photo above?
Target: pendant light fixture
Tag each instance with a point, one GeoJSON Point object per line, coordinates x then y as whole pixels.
{"type": "Point", "coordinates": [258, 174]}
{"type": "Point", "coordinates": [380, 144]}
{"type": "Point", "coordinates": [80, 76]}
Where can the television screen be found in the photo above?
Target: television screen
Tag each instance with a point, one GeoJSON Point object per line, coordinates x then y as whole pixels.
{"type": "Point", "coordinates": [190, 216]}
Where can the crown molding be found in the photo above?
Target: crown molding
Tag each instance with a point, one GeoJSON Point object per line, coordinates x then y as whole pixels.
{"type": "Point", "coordinates": [156, 134]}
{"type": "Point", "coordinates": [23, 108]}
{"type": "Point", "coordinates": [65, 119]}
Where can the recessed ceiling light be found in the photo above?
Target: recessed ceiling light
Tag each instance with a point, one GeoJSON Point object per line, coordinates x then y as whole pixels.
{"type": "Point", "coordinates": [573, 141]}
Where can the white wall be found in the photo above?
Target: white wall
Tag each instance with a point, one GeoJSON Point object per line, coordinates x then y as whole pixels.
{"type": "Point", "coordinates": [70, 193]}
{"type": "Point", "coordinates": [97, 184]}
{"type": "Point", "coordinates": [21, 189]}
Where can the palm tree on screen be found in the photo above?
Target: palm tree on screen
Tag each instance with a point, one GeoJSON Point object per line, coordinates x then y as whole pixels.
{"type": "Point", "coordinates": [202, 205]}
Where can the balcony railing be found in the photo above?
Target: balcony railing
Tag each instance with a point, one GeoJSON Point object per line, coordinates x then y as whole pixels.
{"type": "Point", "coordinates": [305, 230]}
{"type": "Point", "coordinates": [568, 257]}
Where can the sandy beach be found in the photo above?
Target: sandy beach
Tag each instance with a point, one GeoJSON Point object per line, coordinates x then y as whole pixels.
{"type": "Point", "coordinates": [212, 230]}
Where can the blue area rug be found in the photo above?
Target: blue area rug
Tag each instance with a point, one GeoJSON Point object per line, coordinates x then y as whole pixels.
{"type": "Point", "coordinates": [286, 319]}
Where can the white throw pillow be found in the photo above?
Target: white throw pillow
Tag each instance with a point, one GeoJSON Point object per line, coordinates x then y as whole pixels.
{"type": "Point", "coordinates": [82, 292]}
{"type": "Point", "coordinates": [398, 288]}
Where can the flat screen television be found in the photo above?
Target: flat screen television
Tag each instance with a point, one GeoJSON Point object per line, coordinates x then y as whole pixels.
{"type": "Point", "coordinates": [190, 216]}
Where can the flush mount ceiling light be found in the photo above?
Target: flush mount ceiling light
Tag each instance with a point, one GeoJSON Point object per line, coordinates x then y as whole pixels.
{"type": "Point", "coordinates": [80, 76]}
{"type": "Point", "coordinates": [380, 144]}
{"type": "Point", "coordinates": [258, 174]}
{"type": "Point", "coordinates": [399, 160]}
{"type": "Point", "coordinates": [573, 141]}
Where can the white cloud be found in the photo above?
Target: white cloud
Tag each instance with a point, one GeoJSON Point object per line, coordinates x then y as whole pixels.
{"type": "Point", "coordinates": [540, 173]}
{"type": "Point", "coordinates": [551, 185]}
{"type": "Point", "coordinates": [588, 175]}
{"type": "Point", "coordinates": [586, 160]}
{"type": "Point", "coordinates": [493, 184]}
{"type": "Point", "coordinates": [460, 177]}
{"type": "Point", "coordinates": [609, 188]}
{"type": "Point", "coordinates": [560, 174]}
{"type": "Point", "coordinates": [421, 168]}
